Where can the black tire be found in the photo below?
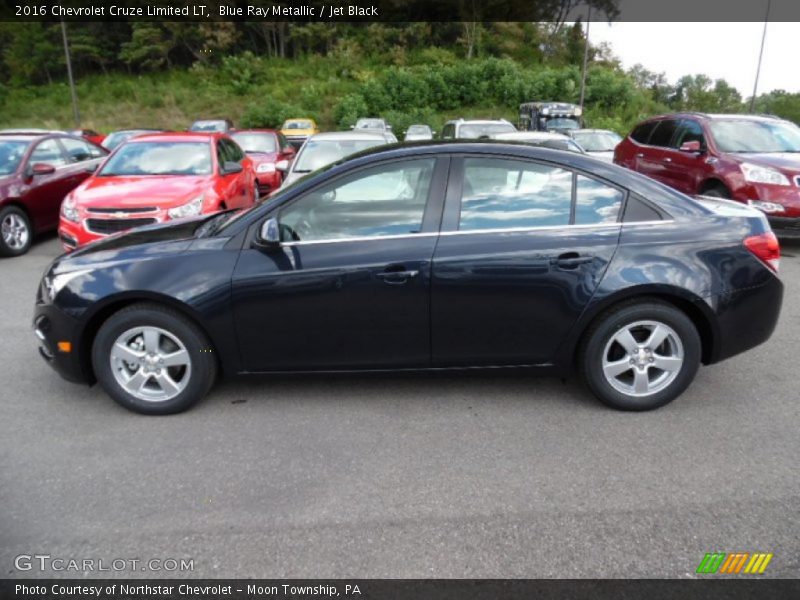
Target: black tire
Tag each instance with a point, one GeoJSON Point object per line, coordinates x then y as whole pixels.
{"type": "Point", "coordinates": [717, 191]}
{"type": "Point", "coordinates": [597, 344]}
{"type": "Point", "coordinates": [13, 216]}
{"type": "Point", "coordinates": [200, 374]}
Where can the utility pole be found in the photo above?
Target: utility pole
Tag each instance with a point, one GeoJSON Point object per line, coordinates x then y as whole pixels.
{"type": "Point", "coordinates": [75, 111]}
{"type": "Point", "coordinates": [760, 55]}
{"type": "Point", "coordinates": [585, 56]}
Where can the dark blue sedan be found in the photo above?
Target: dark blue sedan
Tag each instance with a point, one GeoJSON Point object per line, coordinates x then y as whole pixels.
{"type": "Point", "coordinates": [433, 256]}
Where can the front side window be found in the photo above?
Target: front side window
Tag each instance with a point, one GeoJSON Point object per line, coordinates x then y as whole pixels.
{"type": "Point", "coordinates": [384, 200]}
{"type": "Point", "coordinates": [690, 131]}
{"type": "Point", "coordinates": [48, 152]}
{"type": "Point", "coordinates": [501, 194]}
{"type": "Point", "coordinates": [159, 158]}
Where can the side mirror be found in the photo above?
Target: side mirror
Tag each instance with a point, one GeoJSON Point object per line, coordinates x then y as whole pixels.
{"type": "Point", "coordinates": [269, 234]}
{"type": "Point", "coordinates": [693, 146]}
{"type": "Point", "coordinates": [282, 165]}
{"type": "Point", "coordinates": [42, 169]}
{"type": "Point", "coordinates": [230, 168]}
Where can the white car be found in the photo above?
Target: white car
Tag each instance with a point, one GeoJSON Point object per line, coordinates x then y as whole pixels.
{"type": "Point", "coordinates": [545, 139]}
{"type": "Point", "coordinates": [475, 128]}
{"type": "Point", "coordinates": [599, 143]}
{"type": "Point", "coordinates": [322, 149]}
{"type": "Point", "coordinates": [416, 133]}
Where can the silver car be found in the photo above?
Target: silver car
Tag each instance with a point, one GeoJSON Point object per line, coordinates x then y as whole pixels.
{"type": "Point", "coordinates": [322, 149]}
{"type": "Point", "coordinates": [545, 139]}
{"type": "Point", "coordinates": [599, 143]}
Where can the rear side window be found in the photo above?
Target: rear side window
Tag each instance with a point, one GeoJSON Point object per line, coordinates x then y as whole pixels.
{"type": "Point", "coordinates": [637, 210]}
{"type": "Point", "coordinates": [662, 134]}
{"type": "Point", "coordinates": [596, 202]}
{"type": "Point", "coordinates": [501, 194]}
{"type": "Point", "coordinates": [641, 133]}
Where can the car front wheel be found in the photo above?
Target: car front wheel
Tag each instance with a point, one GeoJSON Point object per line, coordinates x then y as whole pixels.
{"type": "Point", "coordinates": [153, 360]}
{"type": "Point", "coordinates": [640, 356]}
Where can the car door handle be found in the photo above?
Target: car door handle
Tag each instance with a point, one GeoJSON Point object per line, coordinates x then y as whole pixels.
{"type": "Point", "coordinates": [571, 260]}
{"type": "Point", "coordinates": [396, 277]}
{"type": "Point", "coordinates": [640, 155]}
{"type": "Point", "coordinates": [667, 159]}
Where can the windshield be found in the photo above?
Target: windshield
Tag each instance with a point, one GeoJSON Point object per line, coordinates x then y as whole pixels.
{"type": "Point", "coordinates": [115, 139]}
{"type": "Point", "coordinates": [562, 123]}
{"type": "Point", "coordinates": [418, 129]}
{"type": "Point", "coordinates": [11, 153]}
{"type": "Point", "coordinates": [297, 125]}
{"type": "Point", "coordinates": [256, 142]}
{"type": "Point", "coordinates": [208, 126]}
{"type": "Point", "coordinates": [370, 124]}
{"type": "Point", "coordinates": [742, 135]}
{"type": "Point", "coordinates": [319, 153]}
{"type": "Point", "coordinates": [160, 158]}
{"type": "Point", "coordinates": [597, 141]}
{"type": "Point", "coordinates": [477, 130]}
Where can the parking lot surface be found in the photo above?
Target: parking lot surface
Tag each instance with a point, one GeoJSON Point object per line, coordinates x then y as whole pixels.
{"type": "Point", "coordinates": [448, 475]}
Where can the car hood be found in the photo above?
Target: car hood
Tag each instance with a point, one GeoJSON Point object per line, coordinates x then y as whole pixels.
{"type": "Point", "coordinates": [789, 161]}
{"type": "Point", "coordinates": [130, 192]}
{"type": "Point", "coordinates": [293, 132]}
{"type": "Point", "coordinates": [144, 242]}
{"type": "Point", "coordinates": [262, 157]}
{"type": "Point", "coordinates": [604, 155]}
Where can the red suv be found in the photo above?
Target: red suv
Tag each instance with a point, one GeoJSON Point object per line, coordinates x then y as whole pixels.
{"type": "Point", "coordinates": [752, 159]}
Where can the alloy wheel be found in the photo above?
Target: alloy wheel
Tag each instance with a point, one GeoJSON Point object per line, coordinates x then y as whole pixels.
{"type": "Point", "coordinates": [15, 231]}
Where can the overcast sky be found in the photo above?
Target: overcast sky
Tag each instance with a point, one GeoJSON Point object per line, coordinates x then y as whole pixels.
{"type": "Point", "coordinates": [720, 50]}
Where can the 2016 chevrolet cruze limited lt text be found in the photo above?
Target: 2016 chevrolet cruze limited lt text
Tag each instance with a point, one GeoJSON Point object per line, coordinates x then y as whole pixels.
{"type": "Point", "coordinates": [428, 256]}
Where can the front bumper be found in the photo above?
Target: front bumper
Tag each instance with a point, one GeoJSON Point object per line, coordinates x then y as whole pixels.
{"type": "Point", "coordinates": [51, 327]}
{"type": "Point", "coordinates": [785, 227]}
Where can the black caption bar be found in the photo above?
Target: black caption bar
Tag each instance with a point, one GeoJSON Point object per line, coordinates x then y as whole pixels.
{"type": "Point", "coordinates": [396, 589]}
{"type": "Point", "coordinates": [400, 10]}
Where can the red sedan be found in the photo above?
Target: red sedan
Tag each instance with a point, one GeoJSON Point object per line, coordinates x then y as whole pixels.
{"type": "Point", "coordinates": [266, 148]}
{"type": "Point", "coordinates": [36, 172]}
{"type": "Point", "coordinates": [155, 178]}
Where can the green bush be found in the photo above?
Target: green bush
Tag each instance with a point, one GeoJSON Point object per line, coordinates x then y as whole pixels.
{"type": "Point", "coordinates": [349, 109]}
{"type": "Point", "coordinates": [271, 113]}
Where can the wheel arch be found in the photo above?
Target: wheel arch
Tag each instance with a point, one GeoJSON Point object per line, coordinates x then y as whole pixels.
{"type": "Point", "coordinates": [101, 313]}
{"type": "Point", "coordinates": [690, 304]}
{"type": "Point", "coordinates": [711, 183]}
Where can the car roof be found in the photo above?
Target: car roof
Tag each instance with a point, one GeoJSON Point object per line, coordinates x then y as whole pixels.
{"type": "Point", "coordinates": [238, 131]}
{"type": "Point", "coordinates": [21, 137]}
{"type": "Point", "coordinates": [529, 135]}
{"type": "Point", "coordinates": [715, 117]}
{"type": "Point", "coordinates": [479, 121]}
{"type": "Point", "coordinates": [349, 135]}
{"type": "Point", "coordinates": [179, 136]}
{"type": "Point", "coordinates": [588, 130]}
{"type": "Point", "coordinates": [293, 119]}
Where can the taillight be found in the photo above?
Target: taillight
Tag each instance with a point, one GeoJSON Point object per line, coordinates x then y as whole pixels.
{"type": "Point", "coordinates": [766, 248]}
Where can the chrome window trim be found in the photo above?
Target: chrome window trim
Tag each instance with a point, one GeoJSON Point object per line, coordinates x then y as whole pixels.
{"type": "Point", "coordinates": [615, 225]}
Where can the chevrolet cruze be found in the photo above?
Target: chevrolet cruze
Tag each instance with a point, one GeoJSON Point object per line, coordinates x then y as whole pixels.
{"type": "Point", "coordinates": [432, 256]}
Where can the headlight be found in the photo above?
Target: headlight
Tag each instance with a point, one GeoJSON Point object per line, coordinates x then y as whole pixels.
{"type": "Point", "coordinates": [55, 283]}
{"type": "Point", "coordinates": [68, 210]}
{"type": "Point", "coordinates": [190, 209]}
{"type": "Point", "coordinates": [578, 111]}
{"type": "Point", "coordinates": [757, 174]}
{"type": "Point", "coordinates": [266, 168]}
{"type": "Point", "coordinates": [545, 111]}
{"type": "Point", "coordinates": [767, 207]}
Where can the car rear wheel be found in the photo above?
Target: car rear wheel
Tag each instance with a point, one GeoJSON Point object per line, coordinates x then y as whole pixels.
{"type": "Point", "coordinates": [153, 360]}
{"type": "Point", "coordinates": [15, 231]}
{"type": "Point", "coordinates": [640, 356]}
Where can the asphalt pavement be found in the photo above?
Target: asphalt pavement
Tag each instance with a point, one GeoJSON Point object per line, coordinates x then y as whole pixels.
{"type": "Point", "coordinates": [445, 475]}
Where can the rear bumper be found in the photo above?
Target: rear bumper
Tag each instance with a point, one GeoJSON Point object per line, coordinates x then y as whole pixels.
{"type": "Point", "coordinates": [746, 318]}
{"type": "Point", "coordinates": [51, 326]}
